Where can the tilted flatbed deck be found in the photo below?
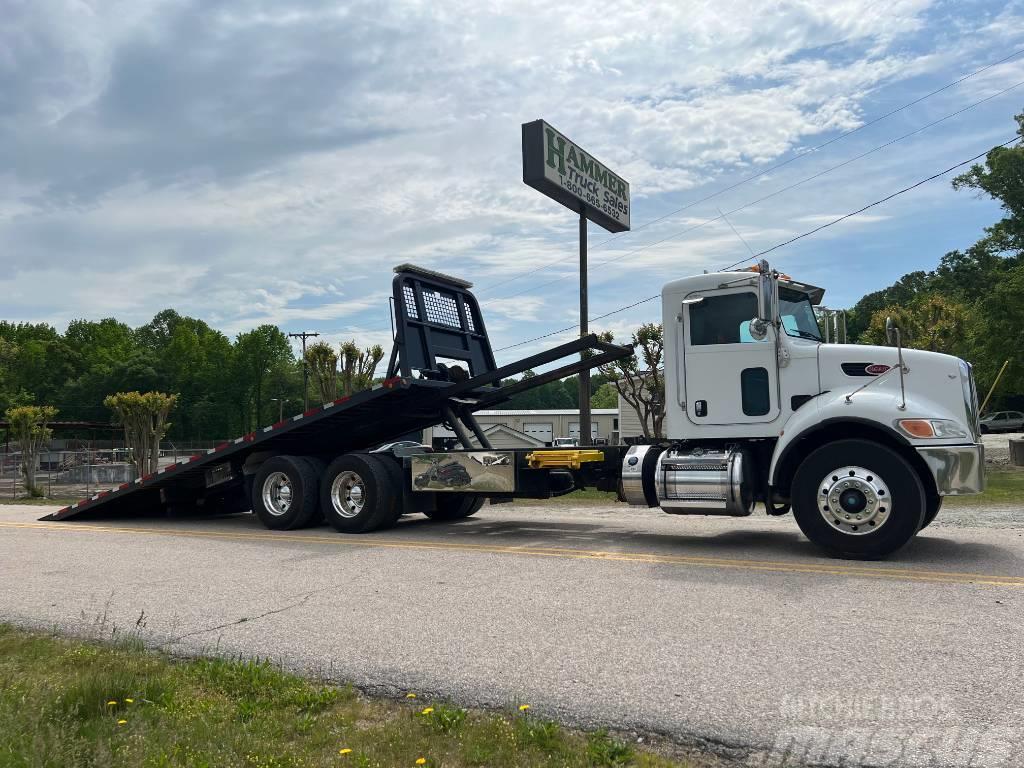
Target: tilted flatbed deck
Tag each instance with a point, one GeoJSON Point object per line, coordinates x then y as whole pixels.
{"type": "Point", "coordinates": [437, 318]}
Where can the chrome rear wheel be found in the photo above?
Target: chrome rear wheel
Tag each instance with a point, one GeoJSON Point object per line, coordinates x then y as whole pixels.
{"type": "Point", "coordinates": [348, 494]}
{"type": "Point", "coordinates": [277, 494]}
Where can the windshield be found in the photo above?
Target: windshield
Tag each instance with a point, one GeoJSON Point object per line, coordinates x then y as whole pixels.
{"type": "Point", "coordinates": [797, 314]}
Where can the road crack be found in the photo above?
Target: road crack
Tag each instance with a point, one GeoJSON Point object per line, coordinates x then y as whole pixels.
{"type": "Point", "coordinates": [244, 619]}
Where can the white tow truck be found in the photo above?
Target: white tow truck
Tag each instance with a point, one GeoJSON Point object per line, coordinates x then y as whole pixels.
{"type": "Point", "coordinates": [860, 442]}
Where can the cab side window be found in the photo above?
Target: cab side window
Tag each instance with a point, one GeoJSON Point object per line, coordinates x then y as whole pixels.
{"type": "Point", "coordinates": [722, 319]}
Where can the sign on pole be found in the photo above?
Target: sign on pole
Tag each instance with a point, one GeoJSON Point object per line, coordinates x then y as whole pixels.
{"type": "Point", "coordinates": [554, 165]}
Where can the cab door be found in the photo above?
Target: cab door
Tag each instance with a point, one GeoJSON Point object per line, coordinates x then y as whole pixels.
{"type": "Point", "coordinates": [730, 378]}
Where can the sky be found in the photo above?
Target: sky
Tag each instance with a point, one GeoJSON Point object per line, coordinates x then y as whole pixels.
{"type": "Point", "coordinates": [253, 162]}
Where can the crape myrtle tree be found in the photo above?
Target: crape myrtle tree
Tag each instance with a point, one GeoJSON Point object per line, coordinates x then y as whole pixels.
{"type": "Point", "coordinates": [358, 366]}
{"type": "Point", "coordinates": [28, 425]}
{"type": "Point", "coordinates": [640, 378]}
{"type": "Point", "coordinates": [144, 418]}
{"type": "Point", "coordinates": [323, 366]}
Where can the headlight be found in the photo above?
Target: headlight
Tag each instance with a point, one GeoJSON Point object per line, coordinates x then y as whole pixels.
{"type": "Point", "coordinates": [931, 428]}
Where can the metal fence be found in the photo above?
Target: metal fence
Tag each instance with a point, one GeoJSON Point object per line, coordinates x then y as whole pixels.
{"type": "Point", "coordinates": [75, 474]}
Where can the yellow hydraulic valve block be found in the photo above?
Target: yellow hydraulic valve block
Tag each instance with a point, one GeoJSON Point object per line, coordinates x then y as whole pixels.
{"type": "Point", "coordinates": [562, 459]}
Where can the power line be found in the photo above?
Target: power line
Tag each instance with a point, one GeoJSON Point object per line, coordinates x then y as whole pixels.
{"type": "Point", "coordinates": [753, 177]}
{"type": "Point", "coordinates": [779, 245]}
{"type": "Point", "coordinates": [722, 216]}
{"type": "Point", "coordinates": [872, 205]}
{"type": "Point", "coordinates": [765, 171]}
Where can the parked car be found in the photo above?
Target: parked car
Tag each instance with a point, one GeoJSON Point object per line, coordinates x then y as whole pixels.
{"type": "Point", "coordinates": [1003, 421]}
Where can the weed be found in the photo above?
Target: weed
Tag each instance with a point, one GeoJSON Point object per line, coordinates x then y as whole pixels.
{"type": "Point", "coordinates": [603, 750]}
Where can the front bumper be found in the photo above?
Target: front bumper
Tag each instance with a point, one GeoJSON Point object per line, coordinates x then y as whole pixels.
{"type": "Point", "coordinates": [959, 470]}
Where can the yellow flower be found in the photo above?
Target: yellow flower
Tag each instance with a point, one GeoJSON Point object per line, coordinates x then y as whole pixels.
{"type": "Point", "coordinates": [121, 722]}
{"type": "Point", "coordinates": [421, 761]}
{"type": "Point", "coordinates": [111, 703]}
{"type": "Point", "coordinates": [410, 695]}
{"type": "Point", "coordinates": [129, 701]}
{"type": "Point", "coordinates": [427, 711]}
{"type": "Point", "coordinates": [523, 707]}
{"type": "Point", "coordinates": [344, 751]}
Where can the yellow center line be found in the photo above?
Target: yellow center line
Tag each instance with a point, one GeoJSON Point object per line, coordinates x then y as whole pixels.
{"type": "Point", "coordinates": [867, 571]}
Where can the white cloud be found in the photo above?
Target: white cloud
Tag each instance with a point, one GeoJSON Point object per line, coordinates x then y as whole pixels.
{"type": "Point", "coordinates": [267, 164]}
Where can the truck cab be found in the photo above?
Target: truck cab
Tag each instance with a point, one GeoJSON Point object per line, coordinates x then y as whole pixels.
{"type": "Point", "coordinates": [860, 442]}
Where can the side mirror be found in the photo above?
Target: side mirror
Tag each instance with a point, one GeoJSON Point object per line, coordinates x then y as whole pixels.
{"type": "Point", "coordinates": [892, 331]}
{"type": "Point", "coordinates": [758, 329]}
{"type": "Point", "coordinates": [766, 291]}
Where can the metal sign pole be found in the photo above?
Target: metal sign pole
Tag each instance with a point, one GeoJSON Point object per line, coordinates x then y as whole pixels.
{"type": "Point", "coordinates": [584, 377]}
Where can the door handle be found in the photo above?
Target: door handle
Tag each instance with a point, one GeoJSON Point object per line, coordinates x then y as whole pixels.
{"type": "Point", "coordinates": [700, 408]}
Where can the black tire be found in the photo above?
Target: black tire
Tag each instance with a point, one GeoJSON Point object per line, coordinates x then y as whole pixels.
{"type": "Point", "coordinates": [454, 506]}
{"type": "Point", "coordinates": [884, 525]}
{"type": "Point", "coordinates": [371, 508]}
{"type": "Point", "coordinates": [396, 482]}
{"type": "Point", "coordinates": [931, 510]}
{"type": "Point", "coordinates": [319, 466]}
{"type": "Point", "coordinates": [303, 483]}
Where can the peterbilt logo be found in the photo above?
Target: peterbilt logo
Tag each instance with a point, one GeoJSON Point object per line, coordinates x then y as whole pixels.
{"type": "Point", "coordinates": [864, 369]}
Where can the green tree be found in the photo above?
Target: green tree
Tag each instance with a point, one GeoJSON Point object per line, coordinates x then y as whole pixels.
{"type": "Point", "coordinates": [640, 378]}
{"type": "Point", "coordinates": [28, 425]}
{"type": "Point", "coordinates": [930, 322]}
{"type": "Point", "coordinates": [357, 366]}
{"type": "Point", "coordinates": [259, 354]}
{"type": "Point", "coordinates": [323, 367]}
{"type": "Point", "coordinates": [1002, 178]}
{"type": "Point", "coordinates": [605, 397]}
{"type": "Point", "coordinates": [903, 291]}
{"type": "Point", "coordinates": [999, 334]}
{"type": "Point", "coordinates": [144, 418]}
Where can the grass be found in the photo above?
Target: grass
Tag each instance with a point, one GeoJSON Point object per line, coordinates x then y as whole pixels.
{"type": "Point", "coordinates": [65, 702]}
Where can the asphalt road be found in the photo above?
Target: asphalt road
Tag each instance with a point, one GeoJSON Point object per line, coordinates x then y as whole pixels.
{"type": "Point", "coordinates": [732, 634]}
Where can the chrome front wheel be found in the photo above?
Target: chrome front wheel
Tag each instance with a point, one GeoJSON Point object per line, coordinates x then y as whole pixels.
{"type": "Point", "coordinates": [854, 500]}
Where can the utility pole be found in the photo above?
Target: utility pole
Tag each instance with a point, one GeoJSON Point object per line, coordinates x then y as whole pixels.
{"type": "Point", "coordinates": [584, 377]}
{"type": "Point", "coordinates": [305, 369]}
{"type": "Point", "coordinates": [280, 407]}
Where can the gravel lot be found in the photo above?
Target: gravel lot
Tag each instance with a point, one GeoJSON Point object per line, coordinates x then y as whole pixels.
{"type": "Point", "coordinates": [997, 447]}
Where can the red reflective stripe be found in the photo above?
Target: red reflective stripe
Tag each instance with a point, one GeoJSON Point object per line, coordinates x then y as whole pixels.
{"type": "Point", "coordinates": [342, 399]}
{"type": "Point", "coordinates": [196, 456]}
{"type": "Point", "coordinates": [123, 485]}
{"type": "Point", "coordinates": [222, 446]}
{"type": "Point", "coordinates": [311, 411]}
{"type": "Point", "coordinates": [279, 424]}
